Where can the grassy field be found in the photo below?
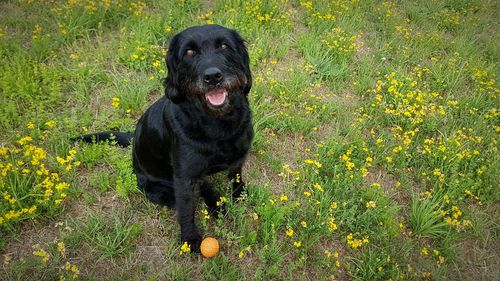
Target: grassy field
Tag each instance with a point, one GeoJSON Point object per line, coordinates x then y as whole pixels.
{"type": "Point", "coordinates": [375, 156]}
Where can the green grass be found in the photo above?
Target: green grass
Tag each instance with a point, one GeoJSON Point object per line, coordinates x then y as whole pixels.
{"type": "Point", "coordinates": [375, 155]}
{"type": "Point", "coordinates": [105, 237]}
{"type": "Point", "coordinates": [425, 220]}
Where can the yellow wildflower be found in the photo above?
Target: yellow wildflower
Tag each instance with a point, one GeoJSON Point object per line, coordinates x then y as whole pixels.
{"type": "Point", "coordinates": [42, 254]}
{"type": "Point", "coordinates": [61, 248]}
{"type": "Point", "coordinates": [304, 224]}
{"type": "Point", "coordinates": [424, 251]}
{"type": "Point", "coordinates": [185, 248]}
{"type": "Point", "coordinates": [115, 102]}
{"type": "Point", "coordinates": [50, 123]}
{"type": "Point", "coordinates": [371, 205]}
{"type": "Point", "coordinates": [24, 140]}
{"type": "Point", "coordinates": [221, 201]}
{"type": "Point", "coordinates": [318, 187]}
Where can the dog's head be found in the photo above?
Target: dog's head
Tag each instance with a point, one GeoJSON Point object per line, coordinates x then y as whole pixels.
{"type": "Point", "coordinates": [209, 66]}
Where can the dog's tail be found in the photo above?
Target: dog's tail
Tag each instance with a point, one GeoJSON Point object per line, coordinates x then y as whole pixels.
{"type": "Point", "coordinates": [120, 138]}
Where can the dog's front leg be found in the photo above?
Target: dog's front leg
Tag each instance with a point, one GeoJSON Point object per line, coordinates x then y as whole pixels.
{"type": "Point", "coordinates": [185, 199]}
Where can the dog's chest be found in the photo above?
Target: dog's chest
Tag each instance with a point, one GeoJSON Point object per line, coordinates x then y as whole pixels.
{"type": "Point", "coordinates": [225, 155]}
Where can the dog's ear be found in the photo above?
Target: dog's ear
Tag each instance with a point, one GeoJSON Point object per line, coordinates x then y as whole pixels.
{"type": "Point", "coordinates": [248, 84]}
{"type": "Point", "coordinates": [248, 72]}
{"type": "Point", "coordinates": [170, 83]}
{"type": "Point", "coordinates": [171, 90]}
{"type": "Point", "coordinates": [245, 60]}
{"type": "Point", "coordinates": [241, 48]}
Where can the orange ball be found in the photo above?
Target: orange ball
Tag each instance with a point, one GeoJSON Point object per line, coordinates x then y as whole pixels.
{"type": "Point", "coordinates": [209, 247]}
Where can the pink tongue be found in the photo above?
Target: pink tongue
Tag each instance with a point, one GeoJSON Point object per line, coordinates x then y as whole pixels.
{"type": "Point", "coordinates": [216, 97]}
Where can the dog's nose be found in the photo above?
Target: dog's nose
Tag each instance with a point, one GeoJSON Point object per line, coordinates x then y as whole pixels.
{"type": "Point", "coordinates": [212, 76]}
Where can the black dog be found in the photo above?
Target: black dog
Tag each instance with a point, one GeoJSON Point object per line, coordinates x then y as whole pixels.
{"type": "Point", "coordinates": [201, 126]}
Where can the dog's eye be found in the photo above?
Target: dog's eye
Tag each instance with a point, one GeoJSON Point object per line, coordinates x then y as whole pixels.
{"type": "Point", "coordinates": [190, 53]}
{"type": "Point", "coordinates": [224, 46]}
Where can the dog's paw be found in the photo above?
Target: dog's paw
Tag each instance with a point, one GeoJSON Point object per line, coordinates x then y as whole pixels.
{"type": "Point", "coordinates": [193, 240]}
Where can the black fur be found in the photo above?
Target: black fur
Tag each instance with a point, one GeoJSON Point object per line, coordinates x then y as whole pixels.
{"type": "Point", "coordinates": [183, 137]}
{"type": "Point", "coordinates": [121, 139]}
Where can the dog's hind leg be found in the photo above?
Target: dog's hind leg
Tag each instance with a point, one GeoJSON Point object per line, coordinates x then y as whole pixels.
{"type": "Point", "coordinates": [160, 192]}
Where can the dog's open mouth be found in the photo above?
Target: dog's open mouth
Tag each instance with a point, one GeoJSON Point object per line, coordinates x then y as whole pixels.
{"type": "Point", "coordinates": [216, 97]}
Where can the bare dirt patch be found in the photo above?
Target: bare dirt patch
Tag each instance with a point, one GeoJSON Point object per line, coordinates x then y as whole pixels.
{"type": "Point", "coordinates": [389, 183]}
{"type": "Point", "coordinates": [31, 233]}
{"type": "Point", "coordinates": [477, 257]}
